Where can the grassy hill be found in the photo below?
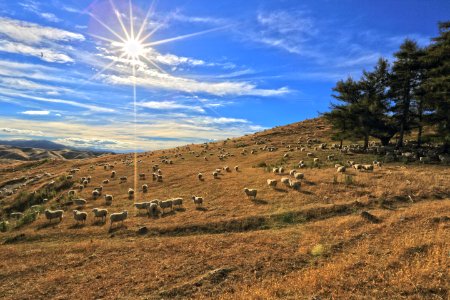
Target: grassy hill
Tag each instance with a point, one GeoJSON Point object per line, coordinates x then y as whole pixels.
{"type": "Point", "coordinates": [314, 243]}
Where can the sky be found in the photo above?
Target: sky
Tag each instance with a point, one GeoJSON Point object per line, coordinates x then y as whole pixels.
{"type": "Point", "coordinates": [207, 70]}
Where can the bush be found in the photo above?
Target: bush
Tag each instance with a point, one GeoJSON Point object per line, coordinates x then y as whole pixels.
{"type": "Point", "coordinates": [4, 226]}
{"type": "Point", "coordinates": [261, 164]}
{"type": "Point", "coordinates": [28, 217]}
{"type": "Point", "coordinates": [348, 179]}
{"type": "Point", "coordinates": [318, 250]}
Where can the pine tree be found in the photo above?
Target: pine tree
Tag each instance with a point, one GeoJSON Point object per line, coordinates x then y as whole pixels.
{"type": "Point", "coordinates": [405, 81]}
{"type": "Point", "coordinates": [437, 82]}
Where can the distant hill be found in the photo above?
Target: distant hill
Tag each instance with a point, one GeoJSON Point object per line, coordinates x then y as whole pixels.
{"type": "Point", "coordinates": [41, 144]}
{"type": "Point", "coordinates": [35, 150]}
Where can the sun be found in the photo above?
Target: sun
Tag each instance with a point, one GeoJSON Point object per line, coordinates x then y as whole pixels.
{"type": "Point", "coordinates": [133, 48]}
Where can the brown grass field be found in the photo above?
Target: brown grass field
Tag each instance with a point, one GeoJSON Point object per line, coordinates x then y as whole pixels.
{"type": "Point", "coordinates": [285, 244]}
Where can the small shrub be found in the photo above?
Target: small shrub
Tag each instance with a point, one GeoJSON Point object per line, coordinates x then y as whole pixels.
{"type": "Point", "coordinates": [348, 179]}
{"type": "Point", "coordinates": [335, 179]}
{"type": "Point", "coordinates": [4, 226]}
{"type": "Point", "coordinates": [261, 164]}
{"type": "Point", "coordinates": [28, 217]}
{"type": "Point", "coordinates": [318, 250]}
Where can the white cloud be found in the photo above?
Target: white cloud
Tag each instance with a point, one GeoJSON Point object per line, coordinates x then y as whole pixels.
{"type": "Point", "coordinates": [92, 143]}
{"type": "Point", "coordinates": [15, 131]}
{"type": "Point", "coordinates": [195, 19]}
{"type": "Point", "coordinates": [169, 105]}
{"type": "Point", "coordinates": [43, 53]}
{"type": "Point", "coordinates": [50, 17]}
{"type": "Point", "coordinates": [36, 112]}
{"type": "Point", "coordinates": [31, 33]}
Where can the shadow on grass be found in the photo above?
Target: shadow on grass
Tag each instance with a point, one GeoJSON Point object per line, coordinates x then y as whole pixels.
{"type": "Point", "coordinates": [179, 209]}
{"type": "Point", "coordinates": [116, 228]}
{"type": "Point", "coordinates": [260, 201]}
{"type": "Point", "coordinates": [48, 224]}
{"type": "Point", "coordinates": [167, 214]}
{"type": "Point", "coordinates": [280, 190]}
{"type": "Point", "coordinates": [99, 223]}
{"type": "Point", "coordinates": [77, 226]}
{"type": "Point", "coordinates": [306, 192]}
{"type": "Point", "coordinates": [201, 208]}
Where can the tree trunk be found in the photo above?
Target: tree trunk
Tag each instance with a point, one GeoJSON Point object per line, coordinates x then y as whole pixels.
{"type": "Point", "coordinates": [419, 135]}
{"type": "Point", "coordinates": [366, 142]}
{"type": "Point", "coordinates": [340, 144]}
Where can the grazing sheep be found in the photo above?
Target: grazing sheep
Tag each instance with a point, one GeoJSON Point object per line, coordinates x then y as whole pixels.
{"type": "Point", "coordinates": [95, 194]}
{"type": "Point", "coordinates": [275, 170]}
{"type": "Point", "coordinates": [215, 174]}
{"type": "Point", "coordinates": [177, 201]}
{"type": "Point", "coordinates": [165, 204]}
{"type": "Point", "coordinates": [123, 179]}
{"type": "Point", "coordinates": [79, 202]}
{"type": "Point", "coordinates": [159, 178]}
{"type": "Point", "coordinates": [226, 168]}
{"type": "Point", "coordinates": [79, 216]}
{"type": "Point", "coordinates": [250, 192]}
{"type": "Point", "coordinates": [424, 159]}
{"type": "Point", "coordinates": [285, 180]}
{"type": "Point", "coordinates": [80, 187]}
{"type": "Point", "coordinates": [337, 165]}
{"type": "Point", "coordinates": [106, 181]}
{"type": "Point", "coordinates": [118, 217]}
{"type": "Point", "coordinates": [316, 160]}
{"type": "Point", "coordinates": [198, 201]}
{"type": "Point", "coordinates": [292, 172]}
{"type": "Point", "coordinates": [236, 168]}
{"type": "Point", "coordinates": [153, 209]}
{"type": "Point", "coordinates": [299, 176]}
{"type": "Point", "coordinates": [200, 176]}
{"type": "Point", "coordinates": [145, 188]}
{"type": "Point", "coordinates": [68, 177]}
{"type": "Point", "coordinates": [113, 174]}
{"type": "Point", "coordinates": [85, 182]}
{"type": "Point", "coordinates": [271, 183]}
{"type": "Point", "coordinates": [286, 155]}
{"type": "Point", "coordinates": [130, 193]}
{"type": "Point", "coordinates": [142, 176]}
{"type": "Point", "coordinates": [72, 193]}
{"type": "Point", "coordinates": [294, 184]}
{"type": "Point", "coordinates": [16, 215]}
{"type": "Point", "coordinates": [142, 205]}
{"type": "Point", "coordinates": [100, 213]}
{"type": "Point", "coordinates": [281, 170]}
{"type": "Point", "coordinates": [309, 154]}
{"type": "Point", "coordinates": [330, 157]}
{"type": "Point", "coordinates": [53, 214]}
{"type": "Point", "coordinates": [89, 178]}
{"type": "Point", "coordinates": [341, 169]}
{"type": "Point", "coordinates": [109, 199]}
{"type": "Point", "coordinates": [357, 166]}
{"type": "Point", "coordinates": [367, 167]}
{"type": "Point", "coordinates": [154, 176]}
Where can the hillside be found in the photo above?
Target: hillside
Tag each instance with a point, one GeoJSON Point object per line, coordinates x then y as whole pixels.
{"type": "Point", "coordinates": [15, 153]}
{"type": "Point", "coordinates": [362, 234]}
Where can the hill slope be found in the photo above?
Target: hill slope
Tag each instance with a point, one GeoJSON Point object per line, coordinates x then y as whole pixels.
{"type": "Point", "coordinates": [380, 233]}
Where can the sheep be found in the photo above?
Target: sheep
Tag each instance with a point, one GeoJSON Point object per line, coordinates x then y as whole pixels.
{"type": "Point", "coordinates": [177, 201]}
{"type": "Point", "coordinates": [142, 205]}
{"type": "Point", "coordinates": [113, 174]}
{"type": "Point", "coordinates": [337, 165]}
{"type": "Point", "coordinates": [285, 180]}
{"type": "Point", "coordinates": [309, 154]}
{"type": "Point", "coordinates": [106, 181]}
{"type": "Point", "coordinates": [166, 204]}
{"type": "Point", "coordinates": [154, 176]}
{"type": "Point", "coordinates": [142, 176]}
{"type": "Point", "coordinates": [316, 160]}
{"type": "Point", "coordinates": [109, 199]}
{"type": "Point", "coordinates": [330, 157]}
{"type": "Point", "coordinates": [281, 170]}
{"type": "Point", "coordinates": [89, 178]}
{"type": "Point", "coordinates": [236, 168]}
{"type": "Point", "coordinates": [123, 179]}
{"type": "Point", "coordinates": [424, 159]}
{"type": "Point", "coordinates": [200, 176]}
{"type": "Point", "coordinates": [159, 178]}
{"type": "Point", "coordinates": [198, 201]}
{"type": "Point", "coordinates": [53, 214]}
{"type": "Point", "coordinates": [69, 177]}
{"type": "Point", "coordinates": [275, 170]}
{"type": "Point", "coordinates": [95, 194]}
{"type": "Point", "coordinates": [286, 155]}
{"type": "Point", "coordinates": [271, 183]}
{"type": "Point", "coordinates": [341, 169]}
{"type": "Point", "coordinates": [152, 209]}
{"type": "Point", "coordinates": [16, 215]}
{"type": "Point", "coordinates": [145, 188]}
{"type": "Point", "coordinates": [250, 192]}
{"type": "Point", "coordinates": [79, 202]}
{"type": "Point", "coordinates": [79, 216]}
{"type": "Point", "coordinates": [357, 166]}
{"type": "Point", "coordinates": [80, 187]}
{"type": "Point", "coordinates": [292, 172]}
{"type": "Point", "coordinates": [299, 176]}
{"type": "Point", "coordinates": [130, 193]}
{"type": "Point", "coordinates": [118, 217]}
{"type": "Point", "coordinates": [294, 184]}
{"type": "Point", "coordinates": [226, 168]}
{"type": "Point", "coordinates": [100, 213]}
{"type": "Point", "coordinates": [367, 167]}
{"type": "Point", "coordinates": [72, 193]}
{"type": "Point", "coordinates": [215, 175]}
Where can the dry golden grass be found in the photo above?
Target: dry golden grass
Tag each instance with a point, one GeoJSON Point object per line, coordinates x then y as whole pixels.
{"type": "Point", "coordinates": [285, 244]}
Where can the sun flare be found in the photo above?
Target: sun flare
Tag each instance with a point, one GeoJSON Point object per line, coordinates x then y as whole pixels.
{"type": "Point", "coordinates": [133, 48]}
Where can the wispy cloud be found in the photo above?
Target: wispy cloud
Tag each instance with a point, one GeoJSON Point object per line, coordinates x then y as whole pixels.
{"type": "Point", "coordinates": [169, 105]}
{"type": "Point", "coordinates": [33, 7]}
{"type": "Point", "coordinates": [36, 112]}
{"type": "Point", "coordinates": [15, 131]}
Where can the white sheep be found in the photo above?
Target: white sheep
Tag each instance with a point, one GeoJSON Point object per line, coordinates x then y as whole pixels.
{"type": "Point", "coordinates": [100, 213]}
{"type": "Point", "coordinates": [250, 192]}
{"type": "Point", "coordinates": [72, 193]}
{"type": "Point", "coordinates": [130, 193]}
{"type": "Point", "coordinates": [236, 168]}
{"type": "Point", "coordinates": [142, 176]}
{"type": "Point", "coordinates": [281, 170]}
{"type": "Point", "coordinates": [145, 188]}
{"type": "Point", "coordinates": [109, 199]}
{"type": "Point", "coordinates": [118, 217]}
{"type": "Point", "coordinates": [79, 216]}
{"type": "Point", "coordinates": [368, 167]}
{"type": "Point", "coordinates": [106, 181]}
{"type": "Point", "coordinates": [166, 204]}
{"type": "Point", "coordinates": [299, 176]}
{"type": "Point", "coordinates": [271, 183]}
{"type": "Point", "coordinates": [113, 174]}
{"type": "Point", "coordinates": [215, 174]}
{"type": "Point", "coordinates": [198, 201]}
{"type": "Point", "coordinates": [294, 184]}
{"type": "Point", "coordinates": [123, 179]}
{"type": "Point", "coordinates": [316, 160]}
{"type": "Point", "coordinates": [341, 169]}
{"type": "Point", "coordinates": [275, 170]}
{"type": "Point", "coordinates": [177, 201]}
{"type": "Point", "coordinates": [142, 205]}
{"type": "Point", "coordinates": [53, 214]}
{"type": "Point", "coordinates": [95, 194]}
{"type": "Point", "coordinates": [153, 209]}
{"type": "Point", "coordinates": [292, 172]}
{"type": "Point", "coordinates": [285, 180]}
{"type": "Point", "coordinates": [200, 176]}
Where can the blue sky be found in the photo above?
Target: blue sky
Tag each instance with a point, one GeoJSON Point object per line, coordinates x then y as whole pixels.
{"type": "Point", "coordinates": [223, 68]}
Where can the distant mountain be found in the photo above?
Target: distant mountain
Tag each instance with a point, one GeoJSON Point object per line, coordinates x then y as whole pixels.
{"type": "Point", "coordinates": [41, 144]}
{"type": "Point", "coordinates": [35, 150]}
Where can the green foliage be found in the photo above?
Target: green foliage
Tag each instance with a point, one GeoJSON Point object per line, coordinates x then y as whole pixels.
{"type": "Point", "coordinates": [319, 250]}
{"type": "Point", "coordinates": [261, 164]}
{"type": "Point", "coordinates": [241, 145]}
{"type": "Point", "coordinates": [4, 226]}
{"type": "Point", "coordinates": [28, 217]}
